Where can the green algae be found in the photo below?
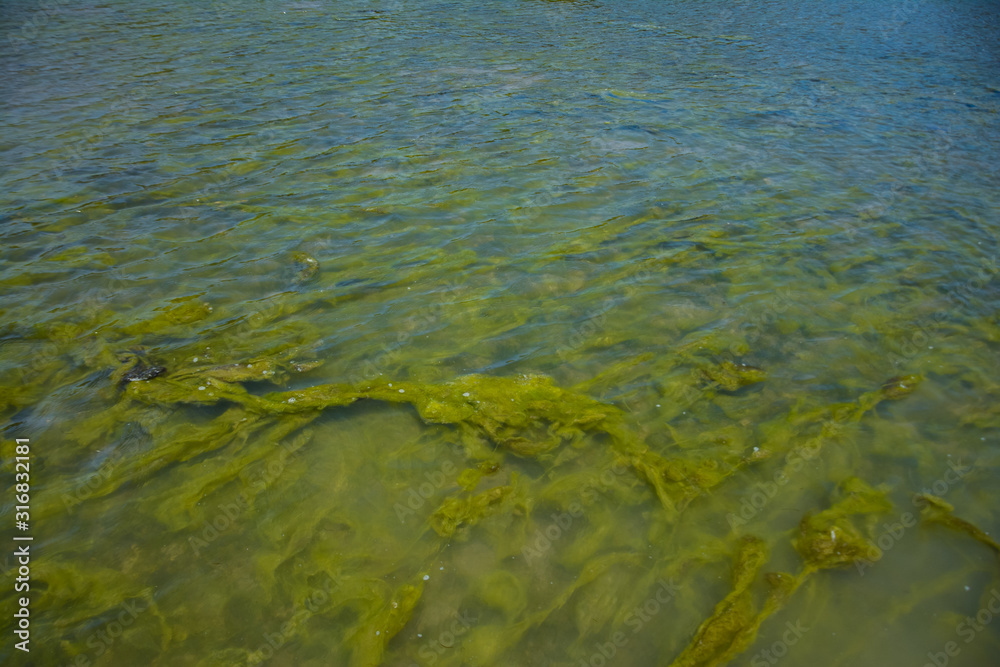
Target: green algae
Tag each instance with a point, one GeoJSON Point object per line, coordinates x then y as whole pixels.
{"type": "Point", "coordinates": [504, 592]}
{"type": "Point", "coordinates": [732, 626]}
{"type": "Point", "coordinates": [99, 592]}
{"type": "Point", "coordinates": [493, 422]}
{"type": "Point", "coordinates": [276, 369]}
{"type": "Point", "coordinates": [541, 419]}
{"type": "Point", "coordinates": [730, 376]}
{"type": "Point", "coordinates": [382, 624]}
{"type": "Point", "coordinates": [457, 512]}
{"type": "Point", "coordinates": [832, 538]}
{"type": "Point", "coordinates": [306, 267]}
{"type": "Point", "coordinates": [469, 478]}
{"type": "Point", "coordinates": [638, 277]}
{"type": "Point", "coordinates": [937, 510]}
{"type": "Point", "coordinates": [528, 415]}
{"type": "Point", "coordinates": [171, 318]}
{"type": "Point", "coordinates": [826, 540]}
{"type": "Point", "coordinates": [900, 386]}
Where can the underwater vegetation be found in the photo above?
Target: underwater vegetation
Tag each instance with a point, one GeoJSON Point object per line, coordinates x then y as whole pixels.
{"type": "Point", "coordinates": [507, 334]}
{"type": "Point", "coordinates": [499, 433]}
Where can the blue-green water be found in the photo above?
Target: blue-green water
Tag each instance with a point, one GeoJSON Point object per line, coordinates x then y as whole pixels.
{"type": "Point", "coordinates": [632, 199]}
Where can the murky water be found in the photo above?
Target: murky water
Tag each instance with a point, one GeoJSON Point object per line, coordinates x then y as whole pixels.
{"type": "Point", "coordinates": [515, 333]}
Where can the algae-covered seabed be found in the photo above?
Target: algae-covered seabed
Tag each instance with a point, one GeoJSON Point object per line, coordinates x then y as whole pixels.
{"type": "Point", "coordinates": [528, 333]}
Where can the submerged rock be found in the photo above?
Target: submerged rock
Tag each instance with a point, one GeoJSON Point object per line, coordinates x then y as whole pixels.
{"type": "Point", "coordinates": [143, 372]}
{"type": "Point", "coordinates": [136, 370]}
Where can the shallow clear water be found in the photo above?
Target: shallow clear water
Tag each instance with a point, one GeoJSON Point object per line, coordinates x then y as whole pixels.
{"type": "Point", "coordinates": [632, 199]}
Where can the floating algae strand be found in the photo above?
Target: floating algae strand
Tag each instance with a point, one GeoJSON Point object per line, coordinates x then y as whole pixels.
{"type": "Point", "coordinates": [529, 416]}
{"type": "Point", "coordinates": [731, 627]}
{"type": "Point", "coordinates": [937, 510]}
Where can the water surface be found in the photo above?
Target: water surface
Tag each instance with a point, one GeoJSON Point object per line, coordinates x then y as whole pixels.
{"type": "Point", "coordinates": [599, 210]}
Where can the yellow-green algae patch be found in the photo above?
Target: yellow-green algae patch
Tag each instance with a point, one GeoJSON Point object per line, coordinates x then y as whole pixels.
{"type": "Point", "coordinates": [832, 538]}
{"type": "Point", "coordinates": [937, 510]}
{"type": "Point", "coordinates": [381, 624]}
{"type": "Point", "coordinates": [594, 458]}
{"type": "Point", "coordinates": [187, 312]}
{"type": "Point", "coordinates": [731, 376]}
{"type": "Point", "coordinates": [646, 251]}
{"type": "Point", "coordinates": [467, 511]}
{"type": "Point", "coordinates": [829, 539]}
{"type": "Point", "coordinates": [527, 415]}
{"type": "Point", "coordinates": [732, 626]}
